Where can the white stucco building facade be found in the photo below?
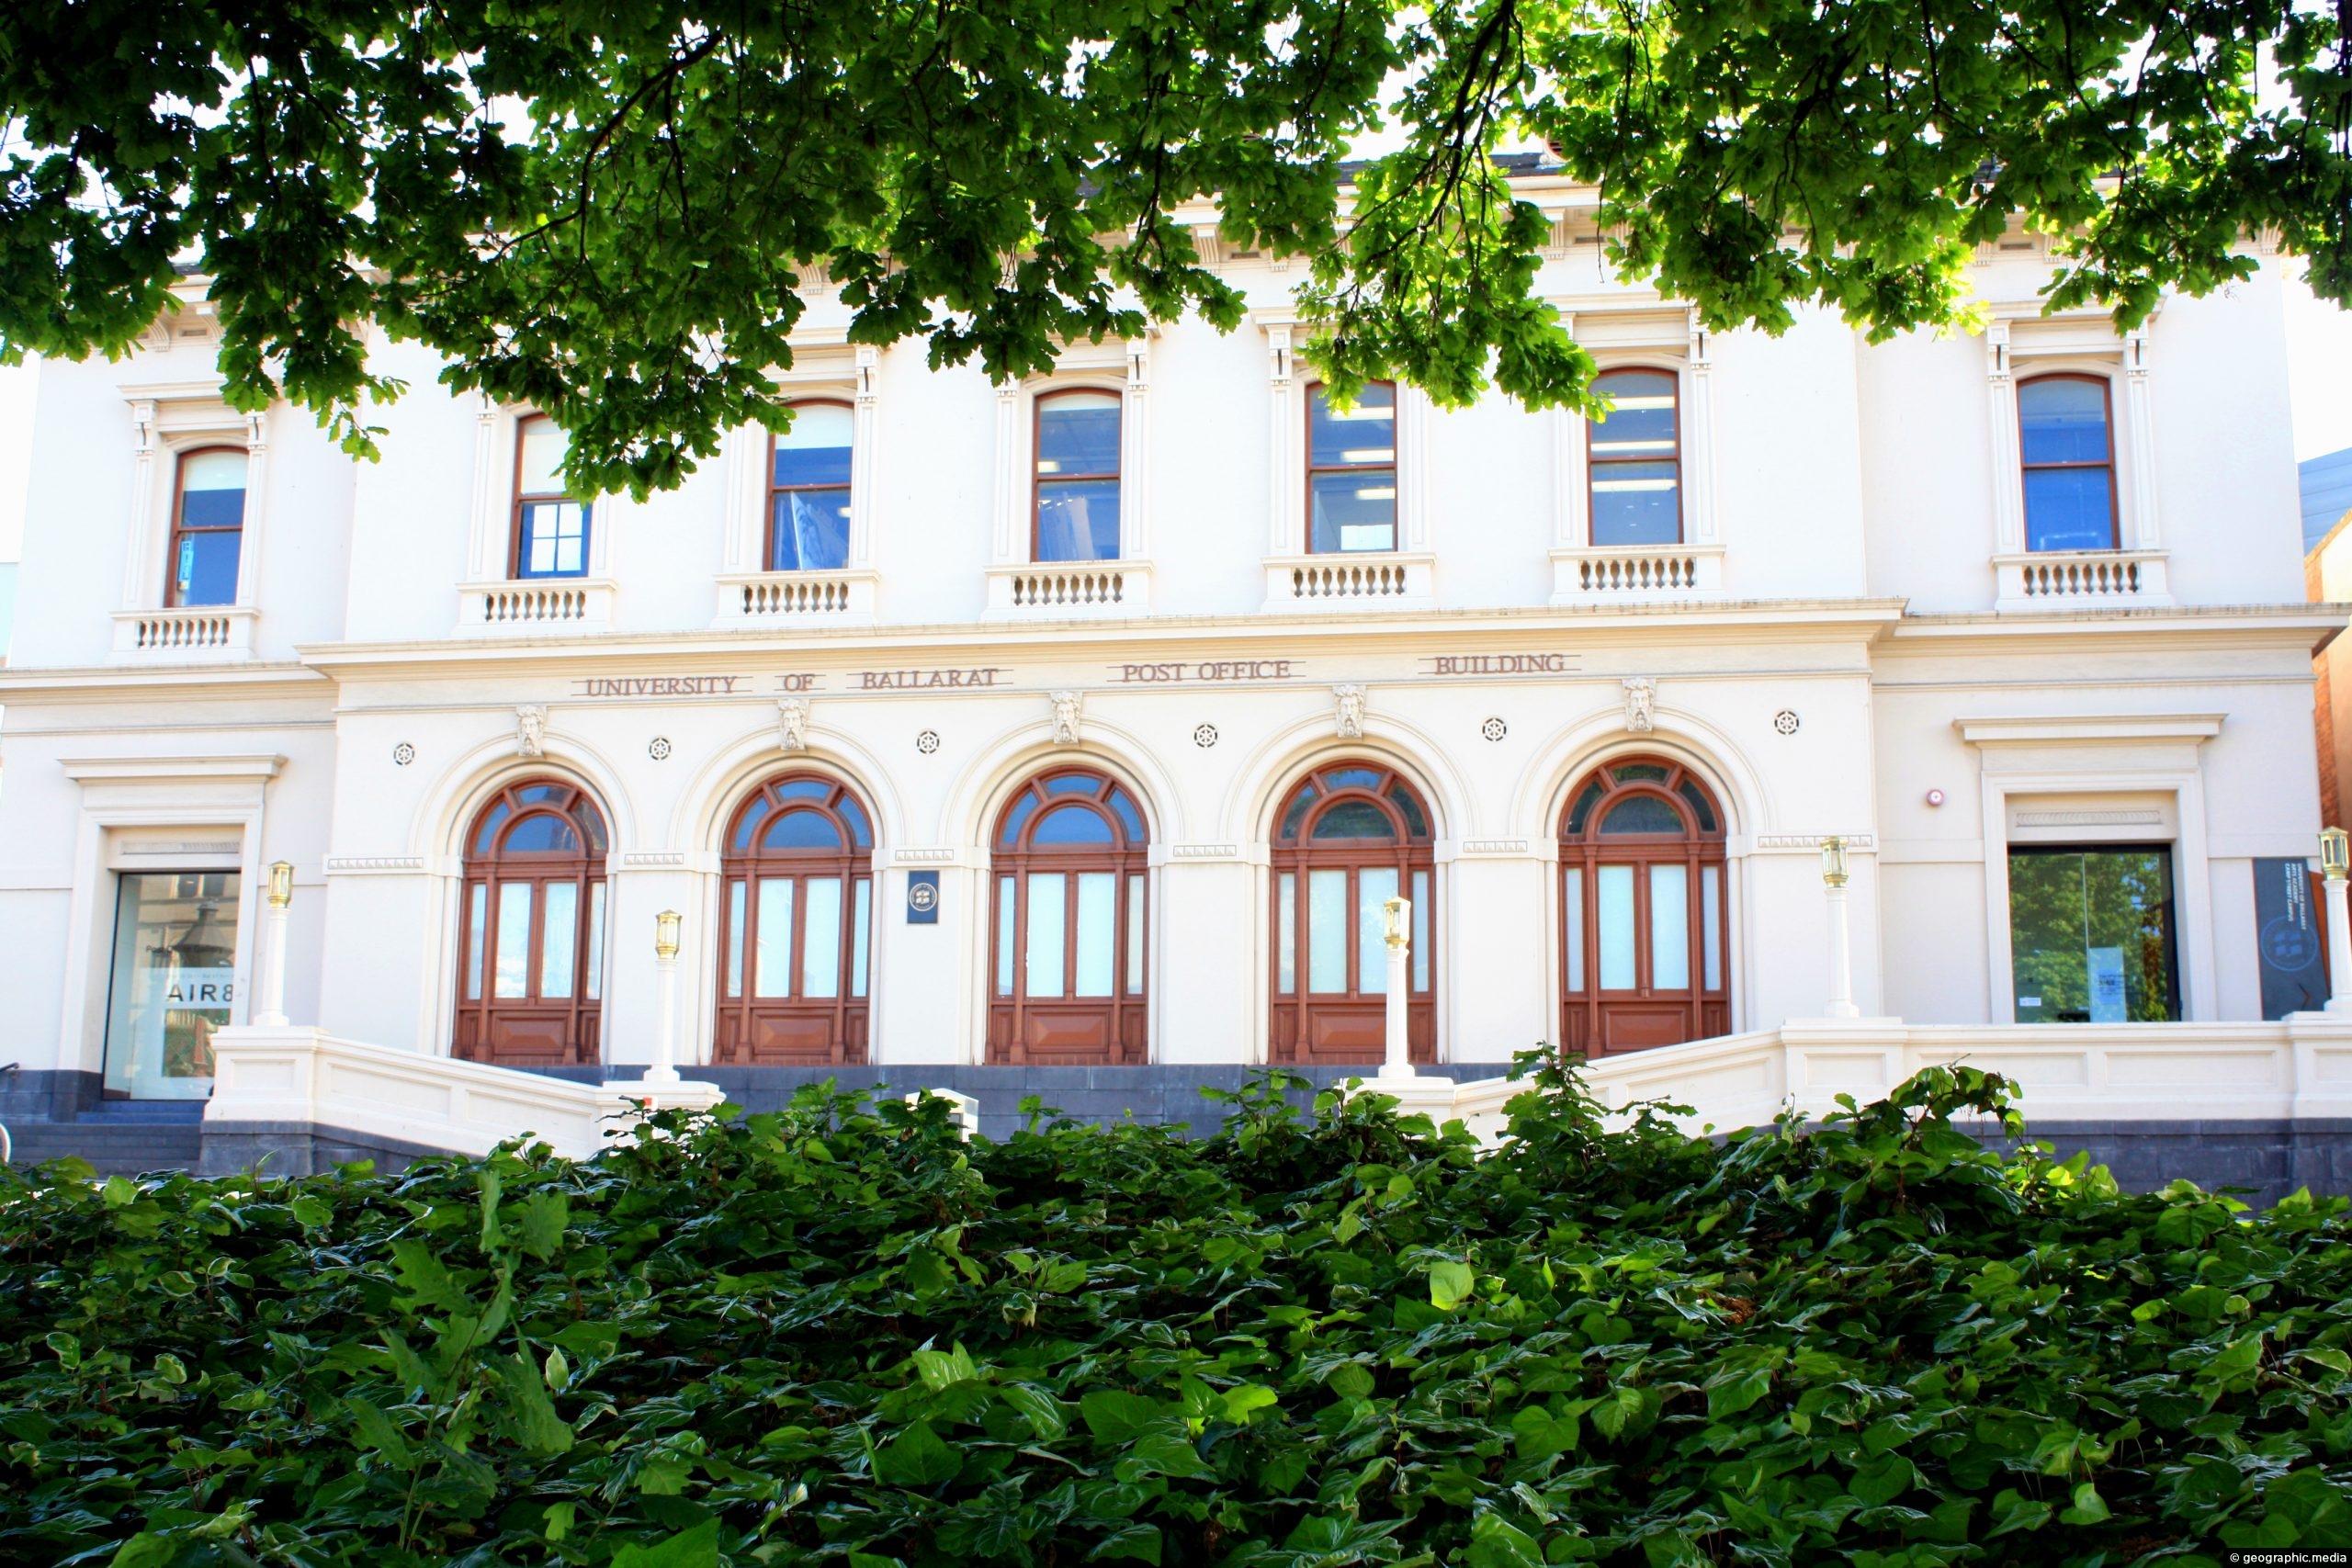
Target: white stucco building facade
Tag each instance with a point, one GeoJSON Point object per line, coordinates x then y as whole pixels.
{"type": "Point", "coordinates": [1823, 613]}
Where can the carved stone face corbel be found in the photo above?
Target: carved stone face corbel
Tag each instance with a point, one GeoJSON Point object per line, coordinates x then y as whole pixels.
{"type": "Point", "coordinates": [791, 724]}
{"type": "Point", "coordinates": [1348, 702]}
{"type": "Point", "coordinates": [1066, 717]}
{"type": "Point", "coordinates": [531, 730]}
{"type": "Point", "coordinates": [1641, 704]}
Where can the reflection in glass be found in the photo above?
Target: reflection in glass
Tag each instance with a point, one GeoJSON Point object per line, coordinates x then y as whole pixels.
{"type": "Point", "coordinates": [476, 932]}
{"type": "Point", "coordinates": [1326, 931]}
{"type": "Point", "coordinates": [513, 972]}
{"type": "Point", "coordinates": [174, 981]}
{"type": "Point", "coordinates": [1421, 931]}
{"type": "Point", "coordinates": [1669, 927]}
{"type": "Point", "coordinates": [1286, 935]}
{"type": "Point", "coordinates": [1637, 470]}
{"type": "Point", "coordinates": [809, 524]}
{"type": "Point", "coordinates": [1711, 935]}
{"type": "Point", "coordinates": [820, 938]}
{"type": "Point", "coordinates": [735, 938]}
{"type": "Point", "coordinates": [595, 941]}
{"type": "Point", "coordinates": [1615, 916]}
{"type": "Point", "coordinates": [1572, 908]}
{"type": "Point", "coordinates": [208, 529]}
{"type": "Point", "coordinates": [861, 919]}
{"type": "Point", "coordinates": [558, 940]}
{"type": "Point", "coordinates": [1135, 936]}
{"type": "Point", "coordinates": [1097, 932]}
{"type": "Point", "coordinates": [1004, 917]}
{"type": "Point", "coordinates": [2091, 937]}
{"type": "Point", "coordinates": [1078, 477]}
{"type": "Point", "coordinates": [772, 959]}
{"type": "Point", "coordinates": [1048, 920]}
{"type": "Point", "coordinates": [1374, 886]}
{"type": "Point", "coordinates": [1352, 472]}
{"type": "Point", "coordinates": [2064, 445]}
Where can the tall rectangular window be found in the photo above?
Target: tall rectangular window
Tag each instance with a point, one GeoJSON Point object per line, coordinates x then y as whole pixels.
{"type": "Point", "coordinates": [1004, 924]}
{"type": "Point", "coordinates": [1077, 515]}
{"type": "Point", "coordinates": [1615, 918]}
{"type": "Point", "coordinates": [174, 981]}
{"type": "Point", "coordinates": [1048, 923]}
{"type": "Point", "coordinates": [1326, 931]}
{"type": "Point", "coordinates": [550, 527]}
{"type": "Point", "coordinates": [820, 939]}
{"type": "Point", "coordinates": [2066, 449]}
{"type": "Point", "coordinates": [861, 919]}
{"type": "Point", "coordinates": [2091, 935]}
{"type": "Point", "coordinates": [808, 493]}
{"type": "Point", "coordinates": [558, 940]}
{"type": "Point", "coordinates": [1352, 472]}
{"type": "Point", "coordinates": [208, 526]}
{"type": "Point", "coordinates": [1286, 934]}
{"type": "Point", "coordinates": [1634, 461]}
{"type": "Point", "coordinates": [1374, 886]}
{"type": "Point", "coordinates": [772, 955]}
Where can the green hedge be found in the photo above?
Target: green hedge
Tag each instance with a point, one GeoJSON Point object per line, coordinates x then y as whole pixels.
{"type": "Point", "coordinates": [839, 1335]}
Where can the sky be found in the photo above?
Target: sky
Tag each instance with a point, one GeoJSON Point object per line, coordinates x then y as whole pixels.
{"type": "Point", "coordinates": [2319, 374]}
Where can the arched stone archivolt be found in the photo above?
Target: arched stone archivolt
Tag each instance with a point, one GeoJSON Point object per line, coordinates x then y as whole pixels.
{"type": "Point", "coordinates": [1258, 790]}
{"type": "Point", "coordinates": [1585, 743]}
{"type": "Point", "coordinates": [438, 830]}
{"type": "Point", "coordinates": [717, 788]}
{"type": "Point", "coordinates": [981, 794]}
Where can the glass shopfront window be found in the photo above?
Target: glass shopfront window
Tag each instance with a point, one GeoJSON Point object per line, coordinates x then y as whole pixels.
{"type": "Point", "coordinates": [2091, 935]}
{"type": "Point", "coordinates": [174, 978]}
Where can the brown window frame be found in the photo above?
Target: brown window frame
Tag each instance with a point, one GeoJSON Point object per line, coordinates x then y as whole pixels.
{"type": "Point", "coordinates": [514, 522]}
{"type": "Point", "coordinates": [1697, 848]}
{"type": "Point", "coordinates": [180, 529]}
{"type": "Point", "coordinates": [580, 1015]}
{"type": "Point", "coordinates": [1407, 854]}
{"type": "Point", "coordinates": [844, 1016]}
{"type": "Point", "coordinates": [1127, 858]}
{"type": "Point", "coordinates": [1037, 481]}
{"type": "Point", "coordinates": [767, 545]}
{"type": "Point", "coordinates": [1594, 461]}
{"type": "Point", "coordinates": [2107, 424]}
{"type": "Point", "coordinates": [1306, 449]}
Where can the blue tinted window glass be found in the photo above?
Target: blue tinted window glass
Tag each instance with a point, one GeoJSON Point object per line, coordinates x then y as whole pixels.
{"type": "Point", "coordinates": [1640, 814]}
{"type": "Point", "coordinates": [748, 828]}
{"type": "Point", "coordinates": [1298, 804]}
{"type": "Point", "coordinates": [809, 530]}
{"type": "Point", "coordinates": [543, 834]}
{"type": "Point", "coordinates": [1364, 434]}
{"type": "Point", "coordinates": [1022, 809]}
{"type": "Point", "coordinates": [1640, 423]}
{"type": "Point", "coordinates": [1698, 799]}
{"type": "Point", "coordinates": [2068, 509]}
{"type": "Point", "coordinates": [555, 539]}
{"type": "Point", "coordinates": [487, 833]}
{"type": "Point", "coordinates": [1410, 810]}
{"type": "Point", "coordinates": [1352, 778]}
{"type": "Point", "coordinates": [1077, 433]}
{"type": "Point", "coordinates": [1071, 825]}
{"type": "Point", "coordinates": [1353, 511]}
{"type": "Point", "coordinates": [1078, 520]}
{"type": "Point", "coordinates": [213, 508]}
{"type": "Point", "coordinates": [591, 824]}
{"type": "Point", "coordinates": [1128, 815]}
{"type": "Point", "coordinates": [854, 815]}
{"type": "Point", "coordinates": [1586, 799]}
{"type": "Point", "coordinates": [2062, 420]}
{"type": "Point", "coordinates": [1637, 503]}
{"type": "Point", "coordinates": [804, 789]}
{"type": "Point", "coordinates": [1073, 784]}
{"type": "Point", "coordinates": [205, 572]}
{"type": "Point", "coordinates": [801, 831]}
{"type": "Point", "coordinates": [1355, 819]}
{"type": "Point", "coordinates": [815, 450]}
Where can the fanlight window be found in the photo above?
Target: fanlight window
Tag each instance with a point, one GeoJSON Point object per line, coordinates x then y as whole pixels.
{"type": "Point", "coordinates": [1349, 837]}
{"type": "Point", "coordinates": [1351, 471]}
{"type": "Point", "coordinates": [1070, 920]}
{"type": "Point", "coordinates": [1643, 920]}
{"type": "Point", "coordinates": [531, 937]}
{"type": "Point", "coordinates": [797, 916]}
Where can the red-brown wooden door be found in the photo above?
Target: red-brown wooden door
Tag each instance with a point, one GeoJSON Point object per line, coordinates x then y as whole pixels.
{"type": "Point", "coordinates": [795, 923]}
{"type": "Point", "coordinates": [1351, 835]}
{"type": "Point", "coordinates": [531, 929]}
{"type": "Point", "coordinates": [1068, 922]}
{"type": "Point", "coordinates": [1645, 921]}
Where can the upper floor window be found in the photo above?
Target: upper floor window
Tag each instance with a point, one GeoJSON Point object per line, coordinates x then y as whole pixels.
{"type": "Point", "coordinates": [1077, 506]}
{"type": "Point", "coordinates": [1636, 464]}
{"type": "Point", "coordinates": [550, 527]}
{"type": "Point", "coordinates": [1351, 471]}
{"type": "Point", "coordinates": [2066, 448]}
{"type": "Point", "coordinates": [208, 526]}
{"type": "Point", "coordinates": [809, 490]}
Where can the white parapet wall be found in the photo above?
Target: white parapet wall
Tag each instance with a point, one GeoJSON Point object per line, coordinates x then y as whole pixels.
{"type": "Point", "coordinates": [305, 1077]}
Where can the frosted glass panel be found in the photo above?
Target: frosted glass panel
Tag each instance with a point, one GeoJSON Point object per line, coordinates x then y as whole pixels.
{"type": "Point", "coordinates": [1421, 931]}
{"type": "Point", "coordinates": [1374, 886]}
{"type": "Point", "coordinates": [861, 924]}
{"type": "Point", "coordinates": [1098, 931]}
{"type": "Point", "coordinates": [1615, 886]}
{"type": "Point", "coordinates": [820, 938]}
{"type": "Point", "coordinates": [1572, 926]}
{"type": "Point", "coordinates": [560, 940]}
{"type": "Point", "coordinates": [1669, 927]}
{"type": "Point", "coordinates": [772, 961]}
{"type": "Point", "coordinates": [1135, 936]}
{"type": "Point", "coordinates": [478, 933]}
{"type": "Point", "coordinates": [1286, 935]}
{"type": "Point", "coordinates": [1326, 931]}
{"type": "Point", "coordinates": [1047, 921]}
{"type": "Point", "coordinates": [1710, 927]}
{"type": "Point", "coordinates": [595, 941]}
{"type": "Point", "coordinates": [1005, 936]}
{"type": "Point", "coordinates": [514, 978]}
{"type": "Point", "coordinates": [735, 938]}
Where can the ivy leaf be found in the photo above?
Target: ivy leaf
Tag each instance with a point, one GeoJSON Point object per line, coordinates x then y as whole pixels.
{"type": "Point", "coordinates": [1451, 1284]}
{"type": "Point", "coordinates": [2089, 1508]}
{"type": "Point", "coordinates": [1116, 1417]}
{"type": "Point", "coordinates": [916, 1458]}
{"type": "Point", "coordinates": [1040, 1409]}
{"type": "Point", "coordinates": [1738, 1392]}
{"type": "Point", "coordinates": [120, 1192]}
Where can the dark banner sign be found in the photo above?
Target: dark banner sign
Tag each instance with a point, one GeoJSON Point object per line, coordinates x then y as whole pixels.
{"type": "Point", "coordinates": [2291, 940]}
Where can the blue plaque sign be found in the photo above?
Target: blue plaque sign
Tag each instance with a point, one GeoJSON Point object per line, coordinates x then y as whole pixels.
{"type": "Point", "coordinates": [922, 897]}
{"type": "Point", "coordinates": [2290, 942]}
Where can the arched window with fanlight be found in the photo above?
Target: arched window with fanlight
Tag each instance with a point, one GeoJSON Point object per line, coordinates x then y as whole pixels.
{"type": "Point", "coordinates": [531, 929]}
{"type": "Point", "coordinates": [1644, 918]}
{"type": "Point", "coordinates": [795, 923]}
{"type": "Point", "coordinates": [1348, 837]}
{"type": "Point", "coordinates": [1071, 868]}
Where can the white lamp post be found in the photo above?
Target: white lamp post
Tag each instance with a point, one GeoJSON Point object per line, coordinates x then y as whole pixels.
{"type": "Point", "coordinates": [1841, 957]}
{"type": "Point", "coordinates": [273, 987]}
{"type": "Point", "coordinates": [2335, 864]}
{"type": "Point", "coordinates": [665, 962]}
{"type": "Point", "coordinates": [1396, 1062]}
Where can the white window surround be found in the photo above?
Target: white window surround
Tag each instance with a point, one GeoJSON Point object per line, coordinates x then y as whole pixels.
{"type": "Point", "coordinates": [749, 593]}
{"type": "Point", "coordinates": [217, 797]}
{"type": "Point", "coordinates": [1622, 337]}
{"type": "Point", "coordinates": [490, 601]}
{"type": "Point", "coordinates": [1298, 579]}
{"type": "Point", "coordinates": [2020, 345]}
{"type": "Point", "coordinates": [2127, 754]}
{"type": "Point", "coordinates": [169, 420]}
{"type": "Point", "coordinates": [1020, 587]}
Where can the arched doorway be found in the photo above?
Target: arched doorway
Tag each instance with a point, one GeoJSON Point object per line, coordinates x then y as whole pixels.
{"type": "Point", "coordinates": [1068, 977]}
{"type": "Point", "coordinates": [796, 919]}
{"type": "Point", "coordinates": [1644, 922]}
{"type": "Point", "coordinates": [531, 929]}
{"type": "Point", "coordinates": [1351, 835]}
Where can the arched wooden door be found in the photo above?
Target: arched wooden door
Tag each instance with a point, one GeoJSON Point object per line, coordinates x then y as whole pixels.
{"type": "Point", "coordinates": [531, 936]}
{"type": "Point", "coordinates": [796, 921]}
{"type": "Point", "coordinates": [1645, 921]}
{"type": "Point", "coordinates": [1352, 836]}
{"type": "Point", "coordinates": [1067, 986]}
